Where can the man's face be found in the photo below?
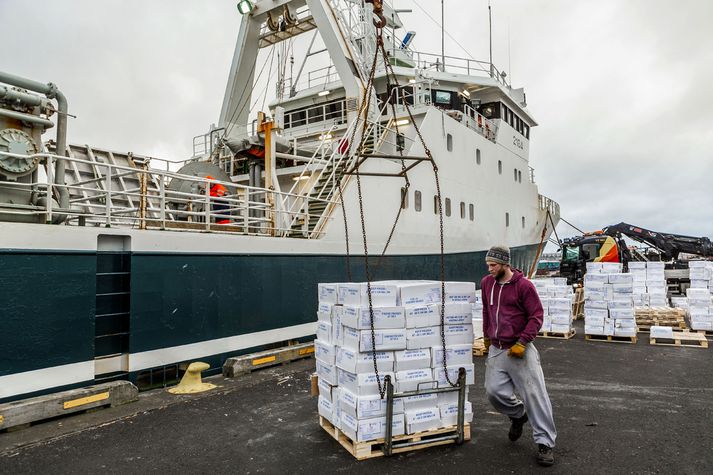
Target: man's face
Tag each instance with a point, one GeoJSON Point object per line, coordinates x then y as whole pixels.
{"type": "Point", "coordinates": [496, 270]}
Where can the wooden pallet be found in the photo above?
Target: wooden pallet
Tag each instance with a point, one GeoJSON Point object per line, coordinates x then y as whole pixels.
{"type": "Point", "coordinates": [578, 304]}
{"type": "Point", "coordinates": [479, 348]}
{"type": "Point", "coordinates": [691, 339]}
{"type": "Point", "coordinates": [611, 338]}
{"type": "Point", "coordinates": [705, 332]}
{"type": "Point", "coordinates": [646, 327]}
{"type": "Point", "coordinates": [373, 448]}
{"type": "Point", "coordinates": [560, 336]}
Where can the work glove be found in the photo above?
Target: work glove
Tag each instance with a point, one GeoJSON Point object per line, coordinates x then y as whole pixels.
{"type": "Point", "coordinates": [517, 350]}
{"type": "Point", "coordinates": [486, 343]}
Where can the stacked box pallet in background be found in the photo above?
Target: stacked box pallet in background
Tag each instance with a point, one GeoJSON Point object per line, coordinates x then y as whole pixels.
{"type": "Point", "coordinates": [478, 316]}
{"type": "Point", "coordinates": [608, 300]}
{"type": "Point", "coordinates": [650, 288]}
{"type": "Point", "coordinates": [409, 348]}
{"type": "Point", "coordinates": [556, 297]}
{"type": "Point", "coordinates": [700, 304]}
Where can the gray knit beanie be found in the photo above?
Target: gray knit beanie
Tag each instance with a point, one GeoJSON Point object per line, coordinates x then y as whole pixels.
{"type": "Point", "coordinates": [499, 255]}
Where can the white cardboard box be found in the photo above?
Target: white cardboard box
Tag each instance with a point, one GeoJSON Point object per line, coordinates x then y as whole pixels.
{"type": "Point", "coordinates": [593, 329]}
{"type": "Point", "coordinates": [419, 316]}
{"type": "Point", "coordinates": [440, 375]}
{"type": "Point", "coordinates": [412, 359]}
{"type": "Point", "coordinates": [356, 362]}
{"type": "Point", "coordinates": [325, 408]}
{"type": "Point", "coordinates": [661, 332]}
{"type": "Point", "coordinates": [625, 323]}
{"type": "Point", "coordinates": [382, 294]}
{"type": "Point", "coordinates": [384, 317]}
{"type": "Point", "coordinates": [366, 407]}
{"type": "Point", "coordinates": [324, 331]}
{"type": "Point", "coordinates": [597, 321]}
{"type": "Point", "coordinates": [326, 390]}
{"type": "Point", "coordinates": [420, 293]}
{"type": "Point", "coordinates": [560, 304]}
{"type": "Point", "coordinates": [385, 339]}
{"type": "Point", "coordinates": [596, 304]}
{"type": "Point", "coordinates": [561, 320]}
{"type": "Point", "coordinates": [414, 379]}
{"type": "Point", "coordinates": [451, 397]}
{"type": "Point", "coordinates": [611, 267]}
{"type": "Point", "coordinates": [328, 293]}
{"type": "Point", "coordinates": [422, 419]}
{"type": "Point", "coordinates": [421, 401]}
{"type": "Point", "coordinates": [618, 313]}
{"type": "Point", "coordinates": [458, 334]}
{"type": "Point", "coordinates": [460, 292]}
{"type": "Point", "coordinates": [595, 313]}
{"type": "Point", "coordinates": [456, 355]}
{"type": "Point", "coordinates": [621, 304]}
{"type": "Point", "coordinates": [456, 314]}
{"type": "Point", "coordinates": [619, 331]}
{"type": "Point", "coordinates": [325, 352]}
{"type": "Point", "coordinates": [362, 384]}
{"type": "Point", "coordinates": [449, 413]}
{"type": "Point", "coordinates": [560, 328]}
{"type": "Point", "coordinates": [422, 337]}
{"type": "Point", "coordinates": [324, 312]}
{"type": "Point", "coordinates": [621, 279]}
{"type": "Point", "coordinates": [326, 372]}
{"type": "Point", "coordinates": [370, 429]}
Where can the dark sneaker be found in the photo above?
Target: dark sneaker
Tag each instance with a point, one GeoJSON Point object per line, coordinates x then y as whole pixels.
{"type": "Point", "coordinates": [545, 456]}
{"type": "Point", "coordinates": [516, 427]}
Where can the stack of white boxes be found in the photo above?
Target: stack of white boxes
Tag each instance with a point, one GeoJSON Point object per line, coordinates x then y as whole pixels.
{"type": "Point", "coordinates": [557, 298]}
{"type": "Point", "coordinates": [700, 303]}
{"type": "Point", "coordinates": [409, 349]}
{"type": "Point", "coordinates": [650, 286]}
{"type": "Point", "coordinates": [608, 300]}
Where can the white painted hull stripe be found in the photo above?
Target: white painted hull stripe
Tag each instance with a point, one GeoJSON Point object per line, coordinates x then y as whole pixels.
{"type": "Point", "coordinates": [47, 378]}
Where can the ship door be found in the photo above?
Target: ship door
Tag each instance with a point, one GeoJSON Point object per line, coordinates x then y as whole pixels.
{"type": "Point", "coordinates": [111, 321]}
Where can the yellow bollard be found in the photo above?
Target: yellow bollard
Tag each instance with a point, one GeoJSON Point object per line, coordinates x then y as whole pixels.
{"type": "Point", "coordinates": [191, 382]}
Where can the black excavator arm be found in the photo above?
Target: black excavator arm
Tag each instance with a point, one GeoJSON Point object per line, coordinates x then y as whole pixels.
{"type": "Point", "coordinates": [669, 245]}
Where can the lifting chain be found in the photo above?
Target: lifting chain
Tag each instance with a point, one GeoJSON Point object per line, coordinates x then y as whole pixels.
{"type": "Point", "coordinates": [364, 111]}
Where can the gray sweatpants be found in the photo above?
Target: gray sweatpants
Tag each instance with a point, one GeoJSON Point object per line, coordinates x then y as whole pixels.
{"type": "Point", "coordinates": [506, 375]}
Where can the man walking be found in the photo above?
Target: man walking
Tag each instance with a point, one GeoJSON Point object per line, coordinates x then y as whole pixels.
{"type": "Point", "coordinates": [512, 316]}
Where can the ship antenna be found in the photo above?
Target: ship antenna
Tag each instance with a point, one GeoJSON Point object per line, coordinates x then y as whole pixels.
{"type": "Point", "coordinates": [443, 41]}
{"type": "Point", "coordinates": [490, 35]}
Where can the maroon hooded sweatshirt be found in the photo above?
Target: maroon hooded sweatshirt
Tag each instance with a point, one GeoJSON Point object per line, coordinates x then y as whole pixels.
{"type": "Point", "coordinates": [512, 311]}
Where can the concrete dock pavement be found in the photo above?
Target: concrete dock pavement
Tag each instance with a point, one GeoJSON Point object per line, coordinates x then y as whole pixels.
{"type": "Point", "coordinates": [619, 408]}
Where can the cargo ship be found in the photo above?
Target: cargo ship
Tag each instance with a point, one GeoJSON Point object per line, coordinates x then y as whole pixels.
{"type": "Point", "coordinates": [118, 265]}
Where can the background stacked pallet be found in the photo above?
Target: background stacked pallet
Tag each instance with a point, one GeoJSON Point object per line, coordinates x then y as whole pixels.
{"type": "Point", "coordinates": [556, 297]}
{"type": "Point", "coordinates": [700, 306]}
{"type": "Point", "coordinates": [408, 348]}
{"type": "Point", "coordinates": [609, 300]}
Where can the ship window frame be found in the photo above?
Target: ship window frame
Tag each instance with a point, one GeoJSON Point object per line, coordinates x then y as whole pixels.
{"type": "Point", "coordinates": [519, 176]}
{"type": "Point", "coordinates": [462, 210]}
{"type": "Point", "coordinates": [471, 211]}
{"type": "Point", "coordinates": [523, 222]}
{"type": "Point", "coordinates": [500, 167]}
{"type": "Point", "coordinates": [527, 131]}
{"type": "Point", "coordinates": [449, 142]}
{"type": "Point", "coordinates": [477, 156]}
{"type": "Point", "coordinates": [448, 207]}
{"type": "Point", "coordinates": [417, 201]}
{"type": "Point", "coordinates": [507, 219]}
{"type": "Point", "coordinates": [515, 174]}
{"type": "Point", "coordinates": [404, 197]}
{"type": "Point", "coordinates": [435, 204]}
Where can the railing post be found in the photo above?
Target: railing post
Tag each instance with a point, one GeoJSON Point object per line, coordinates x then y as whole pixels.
{"type": "Point", "coordinates": [50, 181]}
{"type": "Point", "coordinates": [246, 212]}
{"type": "Point", "coordinates": [206, 206]}
{"type": "Point", "coordinates": [162, 194]}
{"type": "Point", "coordinates": [107, 199]}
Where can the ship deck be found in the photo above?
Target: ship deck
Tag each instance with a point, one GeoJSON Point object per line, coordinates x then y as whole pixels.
{"type": "Point", "coordinates": [618, 408]}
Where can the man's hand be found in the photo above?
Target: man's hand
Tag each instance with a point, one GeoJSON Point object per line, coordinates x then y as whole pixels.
{"type": "Point", "coordinates": [517, 350]}
{"type": "Point", "coordinates": [486, 343]}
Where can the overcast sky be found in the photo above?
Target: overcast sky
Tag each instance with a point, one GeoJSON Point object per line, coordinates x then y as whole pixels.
{"type": "Point", "coordinates": [621, 89]}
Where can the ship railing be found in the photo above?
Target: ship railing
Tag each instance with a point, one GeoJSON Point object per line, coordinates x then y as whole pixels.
{"type": "Point", "coordinates": [314, 118]}
{"type": "Point", "coordinates": [476, 121]}
{"type": "Point", "coordinates": [457, 65]}
{"type": "Point", "coordinates": [548, 204]}
{"type": "Point", "coordinates": [245, 209]}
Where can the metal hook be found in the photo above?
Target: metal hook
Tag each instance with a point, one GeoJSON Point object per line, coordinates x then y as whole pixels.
{"type": "Point", "coordinates": [379, 12]}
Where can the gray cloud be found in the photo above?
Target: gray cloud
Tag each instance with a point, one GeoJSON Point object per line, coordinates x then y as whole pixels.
{"type": "Point", "coordinates": [621, 89]}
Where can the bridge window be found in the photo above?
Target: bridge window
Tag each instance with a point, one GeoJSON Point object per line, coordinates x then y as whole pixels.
{"type": "Point", "coordinates": [417, 200]}
{"type": "Point", "coordinates": [477, 156]}
{"type": "Point", "coordinates": [519, 176]}
{"type": "Point", "coordinates": [515, 173]}
{"type": "Point", "coordinates": [448, 206]}
{"type": "Point", "coordinates": [471, 211]}
{"type": "Point", "coordinates": [462, 210]}
{"type": "Point", "coordinates": [449, 142]}
{"type": "Point", "coordinates": [507, 219]}
{"type": "Point", "coordinates": [500, 167]}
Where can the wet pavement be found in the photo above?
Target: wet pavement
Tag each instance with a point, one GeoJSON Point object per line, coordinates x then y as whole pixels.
{"type": "Point", "coordinates": [619, 408]}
